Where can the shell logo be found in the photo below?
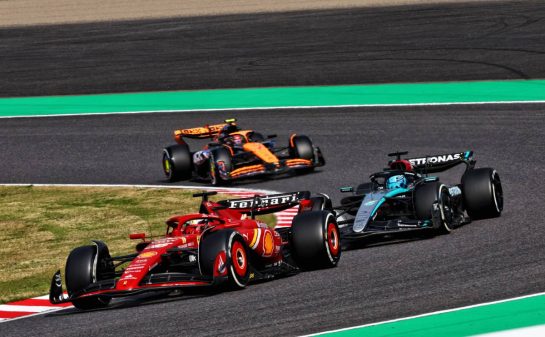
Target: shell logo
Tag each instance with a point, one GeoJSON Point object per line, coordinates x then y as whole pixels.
{"type": "Point", "coordinates": [145, 255]}
{"type": "Point", "coordinates": [268, 243]}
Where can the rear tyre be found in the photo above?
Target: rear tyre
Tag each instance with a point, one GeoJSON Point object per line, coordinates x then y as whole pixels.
{"type": "Point", "coordinates": [232, 247]}
{"type": "Point", "coordinates": [482, 193]}
{"type": "Point", "coordinates": [177, 162]}
{"type": "Point", "coordinates": [321, 202]}
{"type": "Point", "coordinates": [315, 240]}
{"type": "Point", "coordinates": [424, 198]}
{"type": "Point", "coordinates": [81, 271]}
{"type": "Point", "coordinates": [220, 164]}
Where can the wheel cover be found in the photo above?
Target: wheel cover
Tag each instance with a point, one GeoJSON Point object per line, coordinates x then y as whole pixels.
{"type": "Point", "coordinates": [239, 259]}
{"type": "Point", "coordinates": [213, 177]}
{"type": "Point", "coordinates": [166, 166]}
{"type": "Point", "coordinates": [497, 191]}
{"type": "Point", "coordinates": [333, 239]}
{"type": "Point", "coordinates": [446, 209]}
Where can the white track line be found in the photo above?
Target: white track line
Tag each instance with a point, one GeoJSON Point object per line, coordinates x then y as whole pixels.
{"type": "Point", "coordinates": [24, 308]}
{"type": "Point", "coordinates": [342, 106]}
{"type": "Point", "coordinates": [427, 314]}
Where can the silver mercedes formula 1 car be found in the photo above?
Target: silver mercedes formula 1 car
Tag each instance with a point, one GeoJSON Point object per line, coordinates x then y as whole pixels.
{"type": "Point", "coordinates": [406, 196]}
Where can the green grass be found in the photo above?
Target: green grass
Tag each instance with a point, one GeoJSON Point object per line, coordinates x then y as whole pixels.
{"type": "Point", "coordinates": [39, 226]}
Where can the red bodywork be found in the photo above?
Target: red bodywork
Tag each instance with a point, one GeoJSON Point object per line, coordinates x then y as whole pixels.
{"type": "Point", "coordinates": [183, 236]}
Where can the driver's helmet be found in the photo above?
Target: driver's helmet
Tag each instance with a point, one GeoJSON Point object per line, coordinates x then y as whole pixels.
{"type": "Point", "coordinates": [237, 140]}
{"type": "Point", "coordinates": [194, 226]}
{"type": "Point", "coordinates": [228, 129]}
{"type": "Point", "coordinates": [397, 181]}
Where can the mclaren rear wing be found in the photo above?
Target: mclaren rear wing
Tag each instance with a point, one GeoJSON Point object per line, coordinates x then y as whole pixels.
{"type": "Point", "coordinates": [207, 131]}
{"type": "Point", "coordinates": [266, 204]}
{"type": "Point", "coordinates": [442, 162]}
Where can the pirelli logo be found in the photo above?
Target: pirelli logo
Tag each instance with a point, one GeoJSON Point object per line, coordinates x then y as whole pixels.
{"type": "Point", "coordinates": [435, 159]}
{"type": "Point", "coordinates": [266, 201]}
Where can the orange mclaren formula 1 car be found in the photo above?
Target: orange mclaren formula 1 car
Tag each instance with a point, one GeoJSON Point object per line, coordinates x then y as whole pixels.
{"type": "Point", "coordinates": [235, 154]}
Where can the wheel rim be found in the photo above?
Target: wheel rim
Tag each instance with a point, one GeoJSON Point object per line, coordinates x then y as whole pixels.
{"type": "Point", "coordinates": [167, 167]}
{"type": "Point", "coordinates": [497, 192]}
{"type": "Point", "coordinates": [213, 177]}
{"type": "Point", "coordinates": [446, 209]}
{"type": "Point", "coordinates": [333, 239]}
{"type": "Point", "coordinates": [239, 259]}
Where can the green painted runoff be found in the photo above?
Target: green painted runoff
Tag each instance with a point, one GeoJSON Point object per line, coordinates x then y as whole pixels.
{"type": "Point", "coordinates": [507, 315]}
{"type": "Point", "coordinates": [313, 96]}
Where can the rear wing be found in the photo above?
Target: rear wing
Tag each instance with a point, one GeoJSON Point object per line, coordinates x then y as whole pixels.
{"type": "Point", "coordinates": [207, 131]}
{"type": "Point", "coordinates": [267, 203]}
{"type": "Point", "coordinates": [442, 162]}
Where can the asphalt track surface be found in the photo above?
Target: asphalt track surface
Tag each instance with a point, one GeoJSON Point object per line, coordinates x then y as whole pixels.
{"type": "Point", "coordinates": [484, 261]}
{"type": "Point", "coordinates": [461, 41]}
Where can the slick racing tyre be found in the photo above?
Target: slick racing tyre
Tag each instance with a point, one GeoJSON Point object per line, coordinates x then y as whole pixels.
{"type": "Point", "coordinates": [220, 164]}
{"type": "Point", "coordinates": [425, 196]}
{"type": "Point", "coordinates": [177, 162]}
{"type": "Point", "coordinates": [86, 265]}
{"type": "Point", "coordinates": [301, 147]}
{"type": "Point", "coordinates": [315, 240]}
{"type": "Point", "coordinates": [482, 193]}
{"type": "Point", "coordinates": [224, 256]}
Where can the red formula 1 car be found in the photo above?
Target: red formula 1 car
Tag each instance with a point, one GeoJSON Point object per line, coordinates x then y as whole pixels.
{"type": "Point", "coordinates": [235, 154]}
{"type": "Point", "coordinates": [222, 245]}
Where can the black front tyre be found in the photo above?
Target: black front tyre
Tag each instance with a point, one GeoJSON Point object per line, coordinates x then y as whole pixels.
{"type": "Point", "coordinates": [482, 192]}
{"type": "Point", "coordinates": [315, 240]}
{"type": "Point", "coordinates": [301, 147]}
{"type": "Point", "coordinates": [428, 194]}
{"type": "Point", "coordinates": [81, 271]}
{"type": "Point", "coordinates": [220, 164]}
{"type": "Point", "coordinates": [177, 162]}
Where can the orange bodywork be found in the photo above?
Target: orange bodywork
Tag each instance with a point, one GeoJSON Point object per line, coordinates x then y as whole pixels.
{"type": "Point", "coordinates": [298, 162]}
{"type": "Point", "coordinates": [260, 151]}
{"type": "Point", "coordinates": [247, 169]}
{"type": "Point", "coordinates": [207, 131]}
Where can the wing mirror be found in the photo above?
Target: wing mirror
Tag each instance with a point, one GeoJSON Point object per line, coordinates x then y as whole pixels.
{"type": "Point", "coordinates": [137, 236]}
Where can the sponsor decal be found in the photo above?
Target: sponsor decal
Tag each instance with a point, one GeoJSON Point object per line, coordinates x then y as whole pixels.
{"type": "Point", "coordinates": [399, 224]}
{"type": "Point", "coordinates": [58, 280]}
{"type": "Point", "coordinates": [371, 202]}
{"type": "Point", "coordinates": [454, 191]}
{"type": "Point", "coordinates": [222, 170]}
{"type": "Point", "coordinates": [134, 269]}
{"type": "Point", "coordinates": [255, 238]}
{"type": "Point", "coordinates": [129, 277]}
{"type": "Point", "coordinates": [146, 255]}
{"type": "Point", "coordinates": [268, 243]}
{"type": "Point", "coordinates": [200, 157]}
{"type": "Point", "coordinates": [159, 245]}
{"type": "Point", "coordinates": [264, 201]}
{"type": "Point", "coordinates": [435, 159]}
